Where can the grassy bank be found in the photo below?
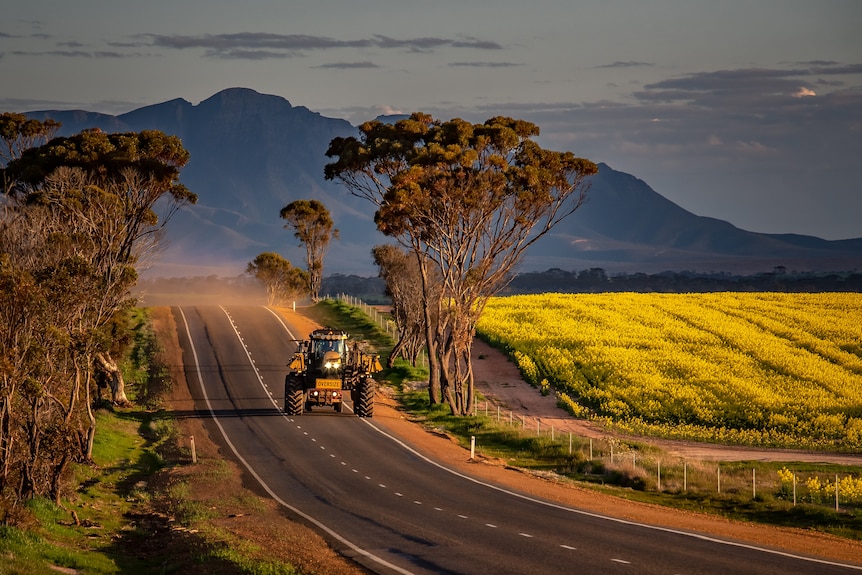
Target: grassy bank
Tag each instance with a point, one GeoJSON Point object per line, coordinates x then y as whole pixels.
{"type": "Point", "coordinates": [137, 508]}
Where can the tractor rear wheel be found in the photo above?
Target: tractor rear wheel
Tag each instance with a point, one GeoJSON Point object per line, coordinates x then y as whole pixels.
{"type": "Point", "coordinates": [364, 407]}
{"type": "Point", "coordinates": [293, 395]}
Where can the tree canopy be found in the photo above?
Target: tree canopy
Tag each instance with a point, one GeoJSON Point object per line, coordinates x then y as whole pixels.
{"type": "Point", "coordinates": [314, 228]}
{"type": "Point", "coordinates": [282, 281]}
{"type": "Point", "coordinates": [468, 200]}
{"type": "Point", "coordinates": [78, 215]}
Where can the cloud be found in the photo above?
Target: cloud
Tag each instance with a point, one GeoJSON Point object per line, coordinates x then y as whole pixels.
{"type": "Point", "coordinates": [246, 54]}
{"type": "Point", "coordinates": [76, 54]}
{"type": "Point", "coordinates": [483, 64]}
{"type": "Point", "coordinates": [348, 65]}
{"type": "Point", "coordinates": [803, 92]}
{"type": "Point", "coordinates": [628, 64]}
{"type": "Point", "coordinates": [257, 45]}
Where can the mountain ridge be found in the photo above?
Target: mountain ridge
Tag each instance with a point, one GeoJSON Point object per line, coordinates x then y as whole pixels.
{"type": "Point", "coordinates": [252, 154]}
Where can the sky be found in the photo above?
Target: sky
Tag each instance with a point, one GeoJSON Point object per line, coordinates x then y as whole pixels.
{"type": "Point", "coordinates": [748, 111]}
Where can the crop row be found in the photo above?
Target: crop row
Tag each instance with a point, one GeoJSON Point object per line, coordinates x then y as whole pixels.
{"type": "Point", "coordinates": [766, 369]}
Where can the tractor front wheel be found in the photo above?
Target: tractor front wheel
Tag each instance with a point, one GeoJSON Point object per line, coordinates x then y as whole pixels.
{"type": "Point", "coordinates": [364, 405]}
{"type": "Point", "coordinates": [293, 395]}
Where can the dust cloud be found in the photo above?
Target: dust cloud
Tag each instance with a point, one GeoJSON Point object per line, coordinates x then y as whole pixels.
{"type": "Point", "coordinates": [201, 290]}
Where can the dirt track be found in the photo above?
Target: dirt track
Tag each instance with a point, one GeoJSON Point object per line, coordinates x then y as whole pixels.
{"type": "Point", "coordinates": [498, 379]}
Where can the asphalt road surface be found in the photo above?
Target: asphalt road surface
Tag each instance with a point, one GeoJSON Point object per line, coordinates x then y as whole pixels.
{"type": "Point", "coordinates": [395, 511]}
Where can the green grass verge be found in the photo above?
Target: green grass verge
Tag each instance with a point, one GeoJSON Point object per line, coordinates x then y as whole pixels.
{"type": "Point", "coordinates": [101, 523]}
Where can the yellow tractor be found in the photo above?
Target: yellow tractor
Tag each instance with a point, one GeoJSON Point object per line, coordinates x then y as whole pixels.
{"type": "Point", "coordinates": [324, 368]}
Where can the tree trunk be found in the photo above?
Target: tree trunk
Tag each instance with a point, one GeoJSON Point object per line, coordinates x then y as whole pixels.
{"type": "Point", "coordinates": [91, 431]}
{"type": "Point", "coordinates": [115, 379]}
{"type": "Point", "coordinates": [434, 390]}
{"type": "Point", "coordinates": [397, 349]}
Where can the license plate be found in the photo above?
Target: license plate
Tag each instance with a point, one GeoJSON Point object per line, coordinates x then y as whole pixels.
{"type": "Point", "coordinates": [329, 383]}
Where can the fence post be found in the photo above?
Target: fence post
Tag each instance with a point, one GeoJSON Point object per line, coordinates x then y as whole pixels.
{"type": "Point", "coordinates": [658, 474]}
{"type": "Point", "coordinates": [472, 447]}
{"type": "Point", "coordinates": [718, 472]}
{"type": "Point", "coordinates": [836, 492]}
{"type": "Point", "coordinates": [794, 489]}
{"type": "Point", "coordinates": [194, 452]}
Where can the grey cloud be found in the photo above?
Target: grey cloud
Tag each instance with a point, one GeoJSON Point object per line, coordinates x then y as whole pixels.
{"type": "Point", "coordinates": [477, 44]}
{"type": "Point", "coordinates": [842, 70]}
{"type": "Point", "coordinates": [76, 54]}
{"type": "Point", "coordinates": [246, 54]}
{"type": "Point", "coordinates": [484, 64]}
{"type": "Point", "coordinates": [71, 44]}
{"type": "Point", "coordinates": [628, 64]}
{"type": "Point", "coordinates": [62, 53]}
{"type": "Point", "coordinates": [256, 44]}
{"type": "Point", "coordinates": [348, 65]}
{"type": "Point", "coordinates": [253, 40]}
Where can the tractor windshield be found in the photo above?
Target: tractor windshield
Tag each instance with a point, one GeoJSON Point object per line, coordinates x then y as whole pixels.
{"type": "Point", "coordinates": [321, 346]}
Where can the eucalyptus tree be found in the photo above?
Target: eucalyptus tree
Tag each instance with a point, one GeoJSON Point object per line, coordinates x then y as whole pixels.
{"type": "Point", "coordinates": [400, 270]}
{"type": "Point", "coordinates": [314, 228]}
{"type": "Point", "coordinates": [78, 215]}
{"type": "Point", "coordinates": [19, 133]}
{"type": "Point", "coordinates": [281, 280]}
{"type": "Point", "coordinates": [467, 199]}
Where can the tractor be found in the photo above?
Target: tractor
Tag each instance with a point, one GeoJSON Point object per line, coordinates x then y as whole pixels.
{"type": "Point", "coordinates": [324, 368]}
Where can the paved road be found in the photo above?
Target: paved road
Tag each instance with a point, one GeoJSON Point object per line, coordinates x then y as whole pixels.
{"type": "Point", "coordinates": [395, 511]}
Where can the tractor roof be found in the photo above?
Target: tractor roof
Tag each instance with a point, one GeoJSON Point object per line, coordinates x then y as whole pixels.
{"type": "Point", "coordinates": [328, 333]}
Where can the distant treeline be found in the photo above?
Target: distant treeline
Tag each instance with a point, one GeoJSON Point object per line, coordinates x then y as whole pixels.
{"type": "Point", "coordinates": [213, 289]}
{"type": "Point", "coordinates": [596, 280]}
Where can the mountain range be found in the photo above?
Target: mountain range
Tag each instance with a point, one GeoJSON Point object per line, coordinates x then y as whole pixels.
{"type": "Point", "coordinates": [252, 154]}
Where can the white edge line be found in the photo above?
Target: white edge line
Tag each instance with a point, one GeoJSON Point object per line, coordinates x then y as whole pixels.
{"type": "Point", "coordinates": [596, 515]}
{"type": "Point", "coordinates": [258, 478]}
{"type": "Point", "coordinates": [607, 517]}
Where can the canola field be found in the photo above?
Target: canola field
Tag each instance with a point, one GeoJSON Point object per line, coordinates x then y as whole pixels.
{"type": "Point", "coordinates": [768, 369]}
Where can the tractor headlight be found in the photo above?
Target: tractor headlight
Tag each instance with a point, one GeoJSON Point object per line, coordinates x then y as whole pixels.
{"type": "Point", "coordinates": [333, 364]}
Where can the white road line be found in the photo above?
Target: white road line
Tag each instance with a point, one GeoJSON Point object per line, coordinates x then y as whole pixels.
{"type": "Point", "coordinates": [608, 517]}
{"type": "Point", "coordinates": [699, 536]}
{"type": "Point", "coordinates": [260, 480]}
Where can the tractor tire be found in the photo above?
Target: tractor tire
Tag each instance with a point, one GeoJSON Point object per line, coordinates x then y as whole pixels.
{"type": "Point", "coordinates": [337, 407]}
{"type": "Point", "coordinates": [293, 393]}
{"type": "Point", "coordinates": [364, 407]}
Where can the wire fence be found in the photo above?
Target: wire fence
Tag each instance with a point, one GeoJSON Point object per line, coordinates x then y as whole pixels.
{"type": "Point", "coordinates": [650, 470]}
